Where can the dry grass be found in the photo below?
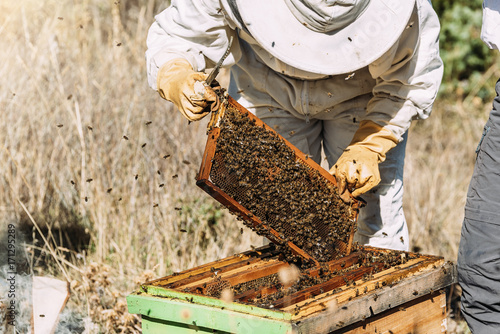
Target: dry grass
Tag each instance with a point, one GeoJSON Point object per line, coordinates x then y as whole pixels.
{"type": "Point", "coordinates": [73, 86]}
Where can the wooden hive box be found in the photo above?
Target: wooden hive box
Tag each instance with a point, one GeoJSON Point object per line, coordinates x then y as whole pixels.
{"type": "Point", "coordinates": [365, 294]}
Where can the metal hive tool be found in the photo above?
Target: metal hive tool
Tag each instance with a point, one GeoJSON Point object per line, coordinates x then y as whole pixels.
{"type": "Point", "coordinates": [275, 188]}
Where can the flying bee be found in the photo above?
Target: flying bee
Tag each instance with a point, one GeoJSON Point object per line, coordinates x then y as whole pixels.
{"type": "Point", "coordinates": [329, 94]}
{"type": "Point", "coordinates": [90, 128]}
{"type": "Point", "coordinates": [186, 162]}
{"type": "Point", "coordinates": [177, 209]}
{"type": "Point", "coordinates": [161, 185]}
{"type": "Point", "coordinates": [89, 180]}
{"type": "Point", "coordinates": [136, 176]}
{"type": "Point", "coordinates": [183, 230]}
{"type": "Point", "coordinates": [60, 125]}
{"type": "Point", "coordinates": [143, 145]}
{"type": "Point", "coordinates": [402, 240]}
{"type": "Point", "coordinates": [148, 122]}
{"type": "Point", "coordinates": [158, 171]}
{"type": "Point", "coordinates": [109, 190]}
{"type": "Point", "coordinates": [72, 182]}
{"type": "Point", "coordinates": [166, 156]}
{"type": "Point", "coordinates": [349, 76]}
{"type": "Point", "coordinates": [175, 176]}
{"type": "Point", "coordinates": [125, 137]}
{"type": "Point", "coordinates": [155, 205]}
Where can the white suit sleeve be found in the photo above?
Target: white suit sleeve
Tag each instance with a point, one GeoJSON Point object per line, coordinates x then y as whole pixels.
{"type": "Point", "coordinates": [408, 75]}
{"type": "Point", "coordinates": [196, 30]}
{"type": "Point", "coordinates": [490, 31]}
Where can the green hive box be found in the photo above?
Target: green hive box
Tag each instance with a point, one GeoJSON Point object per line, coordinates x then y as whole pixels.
{"type": "Point", "coordinates": [367, 295]}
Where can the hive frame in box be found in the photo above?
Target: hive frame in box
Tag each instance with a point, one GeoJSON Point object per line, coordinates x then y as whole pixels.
{"type": "Point", "coordinates": [405, 298]}
{"type": "Point", "coordinates": [204, 181]}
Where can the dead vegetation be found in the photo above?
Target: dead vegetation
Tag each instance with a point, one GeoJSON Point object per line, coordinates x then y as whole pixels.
{"type": "Point", "coordinates": [87, 146]}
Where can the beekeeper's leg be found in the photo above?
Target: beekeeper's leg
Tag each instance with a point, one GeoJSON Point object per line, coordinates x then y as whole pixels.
{"type": "Point", "coordinates": [382, 222]}
{"type": "Point", "coordinates": [479, 251]}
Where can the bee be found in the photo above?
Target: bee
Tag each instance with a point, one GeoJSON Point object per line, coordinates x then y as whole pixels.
{"type": "Point", "coordinates": [148, 122]}
{"type": "Point", "coordinates": [183, 230]}
{"type": "Point", "coordinates": [60, 125]}
{"type": "Point", "coordinates": [175, 176]}
{"type": "Point", "coordinates": [350, 76]}
{"type": "Point", "coordinates": [166, 156]}
{"type": "Point", "coordinates": [329, 94]}
{"type": "Point", "coordinates": [143, 145]}
{"type": "Point", "coordinates": [155, 205]}
{"type": "Point", "coordinates": [118, 44]}
{"type": "Point", "coordinates": [60, 18]}
{"type": "Point", "coordinates": [125, 137]}
{"type": "Point", "coordinates": [86, 199]}
{"type": "Point", "coordinates": [384, 234]}
{"type": "Point", "coordinates": [109, 190]}
{"type": "Point", "coordinates": [350, 39]}
{"type": "Point", "coordinates": [90, 128]}
{"type": "Point", "coordinates": [89, 180]}
{"type": "Point", "coordinates": [119, 199]}
{"type": "Point", "coordinates": [161, 185]}
{"type": "Point", "coordinates": [72, 182]}
{"type": "Point", "coordinates": [292, 133]}
{"type": "Point", "coordinates": [240, 91]}
{"type": "Point", "coordinates": [136, 176]}
{"type": "Point", "coordinates": [158, 171]}
{"type": "Point", "coordinates": [402, 240]}
{"type": "Point", "coordinates": [186, 162]}
{"type": "Point", "coordinates": [177, 209]}
{"type": "Point", "coordinates": [69, 97]}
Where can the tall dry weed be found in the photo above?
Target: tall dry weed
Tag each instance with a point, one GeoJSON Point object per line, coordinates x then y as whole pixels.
{"type": "Point", "coordinates": [95, 156]}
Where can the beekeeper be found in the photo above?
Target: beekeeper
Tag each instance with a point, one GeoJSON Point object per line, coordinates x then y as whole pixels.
{"type": "Point", "coordinates": [344, 76]}
{"type": "Point", "coordinates": [479, 252]}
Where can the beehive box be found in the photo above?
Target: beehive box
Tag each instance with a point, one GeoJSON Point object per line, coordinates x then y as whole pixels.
{"type": "Point", "coordinates": [370, 291]}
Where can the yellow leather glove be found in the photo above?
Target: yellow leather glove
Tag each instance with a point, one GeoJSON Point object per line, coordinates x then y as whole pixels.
{"type": "Point", "coordinates": [357, 168]}
{"type": "Point", "coordinates": [176, 81]}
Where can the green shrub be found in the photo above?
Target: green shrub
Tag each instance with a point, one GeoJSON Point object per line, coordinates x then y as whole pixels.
{"type": "Point", "coordinates": [465, 56]}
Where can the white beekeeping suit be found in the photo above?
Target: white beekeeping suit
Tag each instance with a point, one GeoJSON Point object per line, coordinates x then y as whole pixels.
{"type": "Point", "coordinates": [346, 77]}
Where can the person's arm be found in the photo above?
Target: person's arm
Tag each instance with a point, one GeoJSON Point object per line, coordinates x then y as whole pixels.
{"type": "Point", "coordinates": [407, 81]}
{"type": "Point", "coordinates": [490, 31]}
{"type": "Point", "coordinates": [409, 75]}
{"type": "Point", "coordinates": [185, 39]}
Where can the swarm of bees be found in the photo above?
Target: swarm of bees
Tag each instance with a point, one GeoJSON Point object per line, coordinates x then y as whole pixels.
{"type": "Point", "coordinates": [257, 168]}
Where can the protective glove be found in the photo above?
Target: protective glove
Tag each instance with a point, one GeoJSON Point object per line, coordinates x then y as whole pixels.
{"type": "Point", "coordinates": [176, 83]}
{"type": "Point", "coordinates": [357, 168]}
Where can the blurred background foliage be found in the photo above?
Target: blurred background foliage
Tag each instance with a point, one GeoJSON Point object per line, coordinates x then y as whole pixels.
{"type": "Point", "coordinates": [469, 64]}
